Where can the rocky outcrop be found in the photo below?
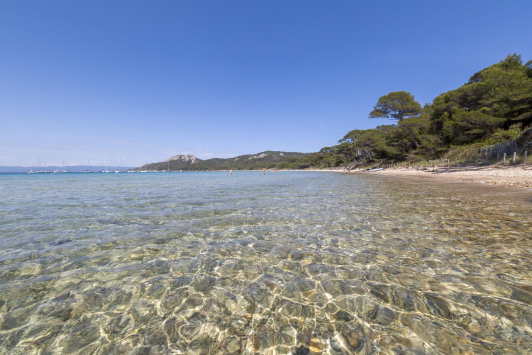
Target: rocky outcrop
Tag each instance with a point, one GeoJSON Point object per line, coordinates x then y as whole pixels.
{"type": "Point", "coordinates": [188, 158]}
{"type": "Point", "coordinates": [263, 155]}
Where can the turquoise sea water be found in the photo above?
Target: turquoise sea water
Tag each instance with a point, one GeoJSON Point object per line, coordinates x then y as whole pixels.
{"type": "Point", "coordinates": [292, 262]}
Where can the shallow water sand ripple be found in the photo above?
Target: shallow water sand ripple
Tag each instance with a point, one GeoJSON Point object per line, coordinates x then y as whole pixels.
{"type": "Point", "coordinates": [287, 263]}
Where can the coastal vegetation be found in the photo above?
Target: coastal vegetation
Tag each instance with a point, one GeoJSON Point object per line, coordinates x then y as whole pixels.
{"type": "Point", "coordinates": [267, 159]}
{"type": "Point", "coordinates": [493, 106]}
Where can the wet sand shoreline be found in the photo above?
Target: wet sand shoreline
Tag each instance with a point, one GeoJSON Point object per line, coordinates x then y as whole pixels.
{"type": "Point", "coordinates": [493, 175]}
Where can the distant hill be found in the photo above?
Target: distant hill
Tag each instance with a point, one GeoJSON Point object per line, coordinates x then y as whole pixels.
{"type": "Point", "coordinates": [184, 158]}
{"type": "Point", "coordinates": [267, 159]}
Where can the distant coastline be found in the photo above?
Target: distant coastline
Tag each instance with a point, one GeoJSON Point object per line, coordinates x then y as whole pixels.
{"type": "Point", "coordinates": [494, 175]}
{"type": "Point", "coordinates": [71, 169]}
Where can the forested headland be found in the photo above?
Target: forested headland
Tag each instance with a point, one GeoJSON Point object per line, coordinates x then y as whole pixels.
{"type": "Point", "coordinates": [493, 106]}
{"type": "Point", "coordinates": [267, 159]}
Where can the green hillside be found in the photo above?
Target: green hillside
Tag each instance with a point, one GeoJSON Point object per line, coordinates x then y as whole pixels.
{"type": "Point", "coordinates": [267, 159]}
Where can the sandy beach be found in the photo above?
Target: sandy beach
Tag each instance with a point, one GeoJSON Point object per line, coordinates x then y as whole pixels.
{"type": "Point", "coordinates": [495, 175]}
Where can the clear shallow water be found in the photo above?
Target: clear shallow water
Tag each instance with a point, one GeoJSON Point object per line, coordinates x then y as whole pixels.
{"type": "Point", "coordinates": [305, 263]}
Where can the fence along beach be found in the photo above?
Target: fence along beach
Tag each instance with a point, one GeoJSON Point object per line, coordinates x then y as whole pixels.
{"type": "Point", "coordinates": [507, 163]}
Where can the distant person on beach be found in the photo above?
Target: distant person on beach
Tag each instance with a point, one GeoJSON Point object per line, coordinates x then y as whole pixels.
{"type": "Point", "coordinates": [264, 171]}
{"type": "Point", "coordinates": [231, 172]}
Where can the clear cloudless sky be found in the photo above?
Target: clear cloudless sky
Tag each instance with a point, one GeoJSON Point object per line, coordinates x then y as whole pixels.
{"type": "Point", "coordinates": [144, 80]}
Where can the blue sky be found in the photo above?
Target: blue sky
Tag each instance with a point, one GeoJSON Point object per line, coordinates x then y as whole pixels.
{"type": "Point", "coordinates": [143, 80]}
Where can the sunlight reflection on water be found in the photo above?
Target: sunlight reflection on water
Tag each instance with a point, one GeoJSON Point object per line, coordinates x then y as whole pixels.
{"type": "Point", "coordinates": [293, 262]}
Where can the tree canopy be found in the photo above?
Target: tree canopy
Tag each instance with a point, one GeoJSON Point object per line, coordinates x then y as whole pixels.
{"type": "Point", "coordinates": [493, 106]}
{"type": "Point", "coordinates": [397, 105]}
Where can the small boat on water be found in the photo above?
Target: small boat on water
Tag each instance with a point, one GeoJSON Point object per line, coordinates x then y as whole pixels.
{"type": "Point", "coordinates": [121, 167]}
{"type": "Point", "coordinates": [88, 170]}
{"type": "Point", "coordinates": [40, 170]}
{"type": "Point", "coordinates": [376, 169]}
{"type": "Point", "coordinates": [105, 171]}
{"type": "Point", "coordinates": [145, 171]}
{"type": "Point", "coordinates": [65, 170]}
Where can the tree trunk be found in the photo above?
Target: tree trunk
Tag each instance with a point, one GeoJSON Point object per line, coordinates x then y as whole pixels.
{"type": "Point", "coordinates": [413, 137]}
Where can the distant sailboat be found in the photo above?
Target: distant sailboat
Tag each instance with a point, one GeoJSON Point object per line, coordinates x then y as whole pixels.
{"type": "Point", "coordinates": [132, 170]}
{"type": "Point", "coordinates": [119, 171]}
{"type": "Point", "coordinates": [103, 169]}
{"type": "Point", "coordinates": [88, 170]}
{"type": "Point", "coordinates": [121, 167]}
{"type": "Point", "coordinates": [145, 171]}
{"type": "Point", "coordinates": [65, 170]}
{"type": "Point", "coordinates": [39, 171]}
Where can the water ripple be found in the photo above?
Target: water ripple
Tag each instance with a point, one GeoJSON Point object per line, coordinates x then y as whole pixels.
{"type": "Point", "coordinates": [287, 263]}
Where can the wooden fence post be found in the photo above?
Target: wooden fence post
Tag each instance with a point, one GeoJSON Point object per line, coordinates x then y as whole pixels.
{"type": "Point", "coordinates": [524, 163]}
{"type": "Point", "coordinates": [504, 159]}
{"type": "Point", "coordinates": [513, 158]}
